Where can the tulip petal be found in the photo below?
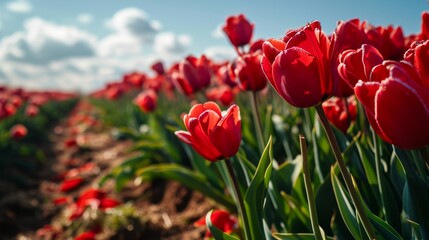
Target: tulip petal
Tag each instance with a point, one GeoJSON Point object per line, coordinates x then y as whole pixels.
{"type": "Point", "coordinates": [226, 137]}
{"type": "Point", "coordinates": [402, 114]}
{"type": "Point", "coordinates": [366, 92]}
{"type": "Point", "coordinates": [267, 69]}
{"type": "Point", "coordinates": [201, 142]}
{"type": "Point", "coordinates": [297, 78]}
{"type": "Point", "coordinates": [212, 106]}
{"type": "Point", "coordinates": [208, 120]}
{"type": "Point", "coordinates": [185, 136]}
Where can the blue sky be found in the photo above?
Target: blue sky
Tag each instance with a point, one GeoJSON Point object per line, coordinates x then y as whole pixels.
{"type": "Point", "coordinates": [84, 43]}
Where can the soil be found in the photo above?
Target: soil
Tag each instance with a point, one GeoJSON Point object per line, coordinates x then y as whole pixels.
{"type": "Point", "coordinates": [166, 209]}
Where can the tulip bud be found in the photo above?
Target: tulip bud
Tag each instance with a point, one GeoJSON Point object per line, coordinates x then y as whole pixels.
{"type": "Point", "coordinates": [18, 131]}
{"type": "Point", "coordinates": [239, 30]}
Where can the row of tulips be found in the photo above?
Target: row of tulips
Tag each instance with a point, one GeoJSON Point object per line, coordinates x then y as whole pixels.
{"type": "Point", "coordinates": [366, 178]}
{"type": "Point", "coordinates": [25, 117]}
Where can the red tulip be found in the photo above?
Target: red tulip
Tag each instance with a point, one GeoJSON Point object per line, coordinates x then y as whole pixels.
{"type": "Point", "coordinates": [340, 115]}
{"type": "Point", "coordinates": [18, 131]}
{"type": "Point", "coordinates": [136, 79]}
{"type": "Point", "coordinates": [194, 74]}
{"type": "Point", "coordinates": [223, 94]}
{"type": "Point", "coordinates": [71, 184]}
{"type": "Point", "coordinates": [31, 110]}
{"type": "Point", "coordinates": [388, 40]}
{"type": "Point", "coordinates": [106, 203]}
{"type": "Point", "coordinates": [248, 72]}
{"type": "Point", "coordinates": [396, 104]}
{"type": "Point", "coordinates": [92, 198]}
{"type": "Point", "coordinates": [158, 67]}
{"type": "Point", "coordinates": [357, 64]}
{"type": "Point", "coordinates": [221, 219]}
{"type": "Point", "coordinates": [61, 200]}
{"type": "Point", "coordinates": [213, 134]}
{"type": "Point", "coordinates": [239, 30]}
{"type": "Point", "coordinates": [146, 100]}
{"type": "Point", "coordinates": [348, 35]}
{"type": "Point", "coordinates": [89, 235]}
{"type": "Point", "coordinates": [425, 26]}
{"type": "Point", "coordinates": [298, 66]}
{"type": "Point", "coordinates": [224, 77]}
{"type": "Point", "coordinates": [418, 55]}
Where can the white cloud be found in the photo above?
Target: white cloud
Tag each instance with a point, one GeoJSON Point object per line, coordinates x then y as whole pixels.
{"type": "Point", "coordinates": [45, 55]}
{"type": "Point", "coordinates": [218, 32]}
{"type": "Point", "coordinates": [119, 45]}
{"type": "Point", "coordinates": [42, 42]}
{"type": "Point", "coordinates": [85, 18]}
{"type": "Point", "coordinates": [220, 53]}
{"type": "Point", "coordinates": [19, 6]}
{"type": "Point", "coordinates": [170, 44]}
{"type": "Point", "coordinates": [134, 22]}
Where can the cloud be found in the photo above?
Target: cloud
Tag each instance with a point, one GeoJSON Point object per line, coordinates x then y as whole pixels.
{"type": "Point", "coordinates": [85, 18]}
{"type": "Point", "coordinates": [116, 45]}
{"type": "Point", "coordinates": [168, 43]}
{"type": "Point", "coordinates": [19, 6]}
{"type": "Point", "coordinates": [218, 32]}
{"type": "Point", "coordinates": [220, 53]}
{"type": "Point", "coordinates": [42, 42]}
{"type": "Point", "coordinates": [132, 30]}
{"type": "Point", "coordinates": [135, 23]}
{"type": "Point", "coordinates": [46, 55]}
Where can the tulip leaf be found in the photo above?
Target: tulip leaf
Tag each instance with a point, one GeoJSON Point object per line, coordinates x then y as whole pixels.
{"type": "Point", "coordinates": [194, 180]}
{"type": "Point", "coordinates": [346, 208]}
{"type": "Point", "coordinates": [256, 193]}
{"type": "Point", "coordinates": [297, 236]}
{"type": "Point", "coordinates": [414, 201]}
{"type": "Point", "coordinates": [383, 228]}
{"type": "Point", "coordinates": [216, 233]}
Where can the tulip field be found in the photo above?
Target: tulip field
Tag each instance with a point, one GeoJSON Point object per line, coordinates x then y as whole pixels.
{"type": "Point", "coordinates": [305, 135]}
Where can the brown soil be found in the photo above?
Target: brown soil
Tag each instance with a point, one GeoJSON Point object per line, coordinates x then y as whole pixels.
{"type": "Point", "coordinates": [166, 209]}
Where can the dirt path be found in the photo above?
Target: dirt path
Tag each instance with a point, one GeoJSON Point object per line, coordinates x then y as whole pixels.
{"type": "Point", "coordinates": [162, 210]}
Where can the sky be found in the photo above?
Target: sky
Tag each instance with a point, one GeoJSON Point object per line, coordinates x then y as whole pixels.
{"type": "Point", "coordinates": [82, 44]}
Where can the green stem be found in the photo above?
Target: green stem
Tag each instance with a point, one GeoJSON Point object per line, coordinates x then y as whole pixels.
{"type": "Point", "coordinates": [257, 120]}
{"type": "Point", "coordinates": [378, 170]}
{"type": "Point", "coordinates": [345, 174]}
{"type": "Point", "coordinates": [309, 191]}
{"type": "Point", "coordinates": [239, 198]}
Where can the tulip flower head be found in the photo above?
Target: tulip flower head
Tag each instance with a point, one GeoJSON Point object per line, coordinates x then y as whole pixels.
{"type": "Point", "coordinates": [239, 30]}
{"type": "Point", "coordinates": [18, 131]}
{"type": "Point", "coordinates": [221, 219]}
{"type": "Point", "coordinates": [396, 104]}
{"type": "Point", "coordinates": [213, 134]}
{"type": "Point", "coordinates": [146, 100]}
{"type": "Point", "coordinates": [340, 113]}
{"type": "Point", "coordinates": [248, 72]}
{"type": "Point", "coordinates": [357, 64]}
{"type": "Point", "coordinates": [298, 66]}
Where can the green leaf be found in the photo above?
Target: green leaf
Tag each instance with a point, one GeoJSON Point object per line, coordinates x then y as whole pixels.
{"type": "Point", "coordinates": [415, 202]}
{"type": "Point", "coordinates": [297, 236]}
{"type": "Point", "coordinates": [346, 209]}
{"type": "Point", "coordinates": [383, 229]}
{"type": "Point", "coordinates": [256, 193]}
{"type": "Point", "coordinates": [217, 234]}
{"type": "Point", "coordinates": [193, 180]}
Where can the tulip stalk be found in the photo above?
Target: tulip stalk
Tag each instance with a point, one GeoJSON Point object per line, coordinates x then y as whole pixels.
{"type": "Point", "coordinates": [257, 120]}
{"type": "Point", "coordinates": [378, 170]}
{"type": "Point", "coordinates": [239, 197]}
{"type": "Point", "coordinates": [345, 173]}
{"type": "Point", "coordinates": [309, 190]}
